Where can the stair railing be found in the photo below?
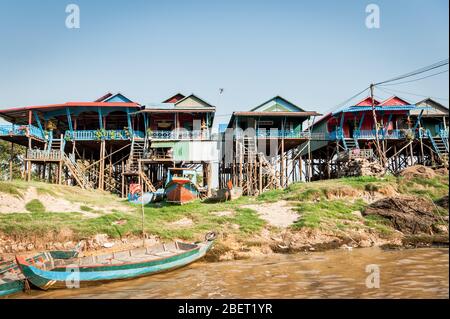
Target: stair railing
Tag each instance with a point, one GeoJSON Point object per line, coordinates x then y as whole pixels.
{"type": "Point", "coordinates": [436, 148]}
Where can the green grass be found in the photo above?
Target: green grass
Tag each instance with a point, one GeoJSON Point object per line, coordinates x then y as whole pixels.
{"type": "Point", "coordinates": [320, 205]}
{"type": "Point", "coordinates": [12, 187]}
{"type": "Point", "coordinates": [326, 214]}
{"type": "Point", "coordinates": [379, 224]}
{"type": "Point", "coordinates": [88, 209]}
{"type": "Point", "coordinates": [433, 188]}
{"type": "Point", "coordinates": [35, 206]}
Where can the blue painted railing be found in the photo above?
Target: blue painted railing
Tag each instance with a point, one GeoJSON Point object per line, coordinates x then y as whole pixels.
{"type": "Point", "coordinates": [382, 134]}
{"type": "Point", "coordinates": [282, 134]}
{"type": "Point", "coordinates": [430, 136]}
{"type": "Point", "coordinates": [20, 130]}
{"type": "Point", "coordinates": [368, 134]}
{"type": "Point", "coordinates": [92, 135]}
{"type": "Point", "coordinates": [336, 135]}
{"type": "Point", "coordinates": [427, 134]}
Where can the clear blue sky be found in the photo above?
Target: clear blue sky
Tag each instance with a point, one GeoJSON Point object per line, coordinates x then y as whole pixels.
{"type": "Point", "coordinates": [314, 53]}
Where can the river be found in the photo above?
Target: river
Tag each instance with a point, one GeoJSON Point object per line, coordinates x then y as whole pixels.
{"type": "Point", "coordinates": [413, 273]}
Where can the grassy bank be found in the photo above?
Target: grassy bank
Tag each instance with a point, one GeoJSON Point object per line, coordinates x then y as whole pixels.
{"type": "Point", "coordinates": [333, 207]}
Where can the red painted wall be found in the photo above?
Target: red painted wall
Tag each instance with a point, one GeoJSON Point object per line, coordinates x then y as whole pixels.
{"type": "Point", "coordinates": [367, 124]}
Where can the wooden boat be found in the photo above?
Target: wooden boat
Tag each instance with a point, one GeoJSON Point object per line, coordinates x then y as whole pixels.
{"type": "Point", "coordinates": [113, 266]}
{"type": "Point", "coordinates": [13, 281]}
{"type": "Point", "coordinates": [181, 186]}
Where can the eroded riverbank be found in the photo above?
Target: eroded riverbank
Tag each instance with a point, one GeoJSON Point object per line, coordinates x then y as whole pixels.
{"type": "Point", "coordinates": [410, 210]}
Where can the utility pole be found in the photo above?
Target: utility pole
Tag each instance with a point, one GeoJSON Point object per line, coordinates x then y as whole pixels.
{"type": "Point", "coordinates": [377, 140]}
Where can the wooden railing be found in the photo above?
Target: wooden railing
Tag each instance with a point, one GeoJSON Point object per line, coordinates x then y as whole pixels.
{"type": "Point", "coordinates": [50, 155]}
{"type": "Point", "coordinates": [356, 153]}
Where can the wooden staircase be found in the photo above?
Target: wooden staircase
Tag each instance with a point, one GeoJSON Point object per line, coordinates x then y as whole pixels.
{"type": "Point", "coordinates": [147, 182]}
{"type": "Point", "coordinates": [440, 146]}
{"type": "Point", "coordinates": [137, 152]}
{"type": "Point", "coordinates": [76, 172]}
{"type": "Point", "coordinates": [350, 144]}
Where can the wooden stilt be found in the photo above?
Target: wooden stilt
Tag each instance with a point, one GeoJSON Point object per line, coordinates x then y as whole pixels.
{"type": "Point", "coordinates": [11, 157]}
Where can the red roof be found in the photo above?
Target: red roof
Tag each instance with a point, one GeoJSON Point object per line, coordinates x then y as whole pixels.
{"type": "Point", "coordinates": [104, 97]}
{"type": "Point", "coordinates": [72, 104]}
{"type": "Point", "coordinates": [367, 102]}
{"type": "Point", "coordinates": [174, 99]}
{"type": "Point", "coordinates": [394, 101]}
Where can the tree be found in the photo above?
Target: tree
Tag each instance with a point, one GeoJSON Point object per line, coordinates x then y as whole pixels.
{"type": "Point", "coordinates": [5, 157]}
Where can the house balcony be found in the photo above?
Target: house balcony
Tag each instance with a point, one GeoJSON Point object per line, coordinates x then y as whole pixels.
{"type": "Point", "coordinates": [287, 134]}
{"type": "Point", "coordinates": [427, 134]}
{"type": "Point", "coordinates": [44, 155]}
{"type": "Point", "coordinates": [97, 135]}
{"type": "Point", "coordinates": [382, 134]}
{"type": "Point", "coordinates": [21, 130]}
{"type": "Point", "coordinates": [180, 135]}
{"type": "Point", "coordinates": [369, 135]}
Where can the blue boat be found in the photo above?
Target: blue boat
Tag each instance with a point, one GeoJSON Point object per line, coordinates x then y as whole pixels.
{"type": "Point", "coordinates": [113, 266]}
{"type": "Point", "coordinates": [13, 281]}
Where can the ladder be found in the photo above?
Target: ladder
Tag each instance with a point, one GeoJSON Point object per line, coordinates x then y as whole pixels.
{"type": "Point", "coordinates": [137, 152]}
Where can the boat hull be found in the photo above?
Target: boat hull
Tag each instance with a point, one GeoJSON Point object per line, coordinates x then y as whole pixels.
{"type": "Point", "coordinates": [9, 270]}
{"type": "Point", "coordinates": [88, 275]}
{"type": "Point", "coordinates": [181, 192]}
{"type": "Point", "coordinates": [9, 288]}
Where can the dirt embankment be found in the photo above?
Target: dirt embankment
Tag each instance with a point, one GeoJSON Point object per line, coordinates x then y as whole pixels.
{"type": "Point", "coordinates": [412, 221]}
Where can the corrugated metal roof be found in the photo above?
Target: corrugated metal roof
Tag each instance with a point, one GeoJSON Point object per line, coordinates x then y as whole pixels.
{"type": "Point", "coordinates": [380, 108]}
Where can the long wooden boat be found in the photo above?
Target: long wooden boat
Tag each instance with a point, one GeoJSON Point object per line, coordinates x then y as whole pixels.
{"type": "Point", "coordinates": [11, 283]}
{"type": "Point", "coordinates": [113, 266]}
{"type": "Point", "coordinates": [11, 278]}
{"type": "Point", "coordinates": [181, 186]}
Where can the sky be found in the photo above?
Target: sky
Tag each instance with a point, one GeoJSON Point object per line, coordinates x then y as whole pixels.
{"type": "Point", "coordinates": [314, 53]}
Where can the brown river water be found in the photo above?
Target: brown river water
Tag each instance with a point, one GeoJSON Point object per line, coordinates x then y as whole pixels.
{"type": "Point", "coordinates": [413, 273]}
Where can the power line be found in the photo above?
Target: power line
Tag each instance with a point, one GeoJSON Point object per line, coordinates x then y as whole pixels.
{"type": "Point", "coordinates": [392, 91]}
{"type": "Point", "coordinates": [416, 72]}
{"type": "Point", "coordinates": [414, 80]}
{"type": "Point", "coordinates": [344, 103]}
